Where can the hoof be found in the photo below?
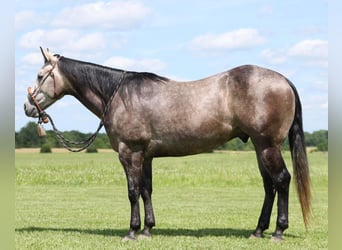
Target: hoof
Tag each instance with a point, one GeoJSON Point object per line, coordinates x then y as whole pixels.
{"type": "Point", "coordinates": [256, 236]}
{"type": "Point", "coordinates": [253, 237]}
{"type": "Point", "coordinates": [129, 238]}
{"type": "Point", "coordinates": [145, 234]}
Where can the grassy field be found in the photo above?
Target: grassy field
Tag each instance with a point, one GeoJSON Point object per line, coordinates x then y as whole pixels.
{"type": "Point", "coordinates": [207, 201]}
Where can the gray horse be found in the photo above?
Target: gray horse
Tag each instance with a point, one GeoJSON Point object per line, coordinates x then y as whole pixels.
{"type": "Point", "coordinates": [147, 116]}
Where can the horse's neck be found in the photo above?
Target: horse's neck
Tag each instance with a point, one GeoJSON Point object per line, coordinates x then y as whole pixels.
{"type": "Point", "coordinates": [90, 100]}
{"type": "Point", "coordinates": [93, 106]}
{"type": "Point", "coordinates": [83, 91]}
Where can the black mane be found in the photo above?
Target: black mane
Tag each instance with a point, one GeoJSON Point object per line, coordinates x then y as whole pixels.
{"type": "Point", "coordinates": [103, 80]}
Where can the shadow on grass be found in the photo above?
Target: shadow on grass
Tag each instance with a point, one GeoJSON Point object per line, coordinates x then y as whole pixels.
{"type": "Point", "coordinates": [217, 232]}
{"type": "Point", "coordinates": [198, 233]}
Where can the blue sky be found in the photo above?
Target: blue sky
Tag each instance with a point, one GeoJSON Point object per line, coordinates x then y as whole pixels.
{"type": "Point", "coordinates": [183, 40]}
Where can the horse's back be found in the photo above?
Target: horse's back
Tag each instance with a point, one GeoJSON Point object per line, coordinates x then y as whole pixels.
{"type": "Point", "coordinates": [180, 118]}
{"type": "Point", "coordinates": [189, 117]}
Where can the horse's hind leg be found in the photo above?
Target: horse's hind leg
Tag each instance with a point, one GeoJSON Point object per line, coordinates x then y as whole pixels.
{"type": "Point", "coordinates": [273, 163]}
{"type": "Point", "coordinates": [264, 219]}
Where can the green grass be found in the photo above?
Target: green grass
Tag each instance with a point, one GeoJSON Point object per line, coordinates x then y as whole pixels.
{"type": "Point", "coordinates": [207, 201]}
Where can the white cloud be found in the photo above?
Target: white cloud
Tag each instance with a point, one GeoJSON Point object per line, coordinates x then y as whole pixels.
{"type": "Point", "coordinates": [31, 38]}
{"type": "Point", "coordinates": [233, 40]}
{"type": "Point", "coordinates": [324, 106]}
{"type": "Point", "coordinates": [317, 49]}
{"type": "Point", "coordinates": [320, 85]}
{"type": "Point", "coordinates": [22, 18]}
{"type": "Point", "coordinates": [38, 37]}
{"type": "Point", "coordinates": [318, 101]}
{"type": "Point", "coordinates": [112, 15]}
{"type": "Point", "coordinates": [317, 63]}
{"type": "Point", "coordinates": [149, 65]}
{"type": "Point", "coordinates": [60, 39]}
{"type": "Point", "coordinates": [33, 59]}
{"type": "Point", "coordinates": [89, 41]}
{"type": "Point", "coordinates": [314, 52]}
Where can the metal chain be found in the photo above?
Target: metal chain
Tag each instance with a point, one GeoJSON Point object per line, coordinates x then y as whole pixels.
{"type": "Point", "coordinates": [86, 143]}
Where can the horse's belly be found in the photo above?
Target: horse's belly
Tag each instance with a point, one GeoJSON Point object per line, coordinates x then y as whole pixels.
{"type": "Point", "coordinates": [186, 145]}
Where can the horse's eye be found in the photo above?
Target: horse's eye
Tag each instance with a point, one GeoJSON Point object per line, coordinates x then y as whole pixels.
{"type": "Point", "coordinates": [39, 77]}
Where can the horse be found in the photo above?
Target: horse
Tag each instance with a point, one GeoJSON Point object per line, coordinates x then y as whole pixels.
{"type": "Point", "coordinates": [146, 116]}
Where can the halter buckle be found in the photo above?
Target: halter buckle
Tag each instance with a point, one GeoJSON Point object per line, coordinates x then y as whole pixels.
{"type": "Point", "coordinates": [43, 117]}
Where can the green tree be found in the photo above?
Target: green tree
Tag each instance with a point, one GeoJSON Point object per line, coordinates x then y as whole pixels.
{"type": "Point", "coordinates": [322, 146]}
{"type": "Point", "coordinates": [45, 148]}
{"type": "Point", "coordinates": [316, 138]}
{"type": "Point", "coordinates": [237, 145]}
{"type": "Point", "coordinates": [28, 137]}
{"type": "Point", "coordinates": [102, 141]}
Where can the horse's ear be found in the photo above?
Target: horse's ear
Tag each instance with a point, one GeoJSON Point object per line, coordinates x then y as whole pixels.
{"type": "Point", "coordinates": [44, 55]}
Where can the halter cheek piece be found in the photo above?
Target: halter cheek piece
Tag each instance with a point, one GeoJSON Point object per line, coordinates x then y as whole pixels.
{"type": "Point", "coordinates": [42, 115]}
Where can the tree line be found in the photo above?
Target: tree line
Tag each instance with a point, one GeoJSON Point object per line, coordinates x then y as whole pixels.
{"type": "Point", "coordinates": [28, 137]}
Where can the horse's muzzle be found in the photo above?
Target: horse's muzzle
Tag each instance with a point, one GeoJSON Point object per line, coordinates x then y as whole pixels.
{"type": "Point", "coordinates": [30, 110]}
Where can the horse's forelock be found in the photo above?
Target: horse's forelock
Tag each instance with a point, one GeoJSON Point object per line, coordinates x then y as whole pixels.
{"type": "Point", "coordinates": [52, 58]}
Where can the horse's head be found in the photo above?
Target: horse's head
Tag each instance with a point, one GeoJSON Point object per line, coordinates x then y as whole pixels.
{"type": "Point", "coordinates": [48, 88]}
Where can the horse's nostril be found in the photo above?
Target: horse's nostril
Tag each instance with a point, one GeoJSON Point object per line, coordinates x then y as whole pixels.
{"type": "Point", "coordinates": [25, 107]}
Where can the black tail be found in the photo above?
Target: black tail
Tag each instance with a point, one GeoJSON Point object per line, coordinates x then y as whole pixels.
{"type": "Point", "coordinates": [299, 159]}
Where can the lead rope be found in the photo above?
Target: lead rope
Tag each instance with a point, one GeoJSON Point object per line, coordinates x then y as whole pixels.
{"type": "Point", "coordinates": [66, 142]}
{"type": "Point", "coordinates": [86, 143]}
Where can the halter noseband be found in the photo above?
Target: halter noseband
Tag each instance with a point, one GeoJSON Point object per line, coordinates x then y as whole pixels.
{"type": "Point", "coordinates": [42, 114]}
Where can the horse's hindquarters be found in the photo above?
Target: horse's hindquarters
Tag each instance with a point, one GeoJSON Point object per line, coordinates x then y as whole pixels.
{"type": "Point", "coordinates": [263, 103]}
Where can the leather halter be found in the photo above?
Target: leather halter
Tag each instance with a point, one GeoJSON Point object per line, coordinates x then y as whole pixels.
{"type": "Point", "coordinates": [42, 115]}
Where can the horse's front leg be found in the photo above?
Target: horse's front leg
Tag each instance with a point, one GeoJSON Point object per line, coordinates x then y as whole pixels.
{"type": "Point", "coordinates": [132, 163]}
{"type": "Point", "coordinates": [146, 196]}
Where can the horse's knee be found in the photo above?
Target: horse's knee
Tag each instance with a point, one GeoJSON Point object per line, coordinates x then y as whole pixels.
{"type": "Point", "coordinates": [133, 195]}
{"type": "Point", "coordinates": [146, 188]}
{"type": "Point", "coordinates": [133, 191]}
